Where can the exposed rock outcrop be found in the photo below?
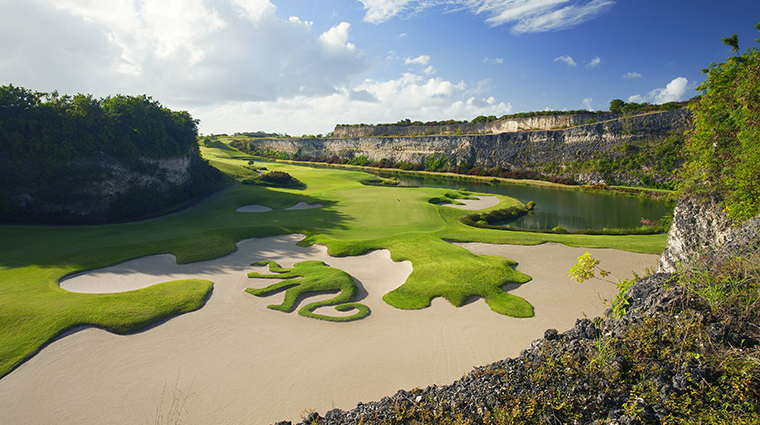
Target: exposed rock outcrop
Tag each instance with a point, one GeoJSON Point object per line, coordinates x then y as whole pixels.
{"type": "Point", "coordinates": [701, 229]}
{"type": "Point", "coordinates": [516, 150]}
{"type": "Point", "coordinates": [101, 188]}
{"type": "Point", "coordinates": [541, 122]}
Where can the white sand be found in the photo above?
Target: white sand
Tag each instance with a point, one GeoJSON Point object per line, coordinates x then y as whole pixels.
{"type": "Point", "coordinates": [253, 208]}
{"type": "Point", "coordinates": [304, 206]}
{"type": "Point", "coordinates": [235, 361]}
{"type": "Point", "coordinates": [475, 204]}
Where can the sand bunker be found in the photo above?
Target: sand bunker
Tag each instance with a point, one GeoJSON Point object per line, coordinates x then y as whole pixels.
{"type": "Point", "coordinates": [235, 361]}
{"type": "Point", "coordinates": [475, 204]}
{"type": "Point", "coordinates": [304, 206]}
{"type": "Point", "coordinates": [253, 208]}
{"type": "Point", "coordinates": [260, 208]}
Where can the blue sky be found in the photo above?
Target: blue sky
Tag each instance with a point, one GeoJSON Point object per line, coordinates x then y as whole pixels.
{"type": "Point", "coordinates": [300, 67]}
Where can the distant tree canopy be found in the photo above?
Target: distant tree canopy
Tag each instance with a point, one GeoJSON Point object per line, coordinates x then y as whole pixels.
{"type": "Point", "coordinates": [36, 125]}
{"type": "Point", "coordinates": [723, 149]}
{"type": "Point", "coordinates": [618, 106]}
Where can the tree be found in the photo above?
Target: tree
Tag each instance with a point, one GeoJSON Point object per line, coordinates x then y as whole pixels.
{"type": "Point", "coordinates": [723, 149]}
{"type": "Point", "coordinates": [616, 106]}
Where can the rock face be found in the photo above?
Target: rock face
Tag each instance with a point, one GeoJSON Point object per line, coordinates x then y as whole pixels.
{"type": "Point", "coordinates": [545, 122]}
{"type": "Point", "coordinates": [513, 150]}
{"type": "Point", "coordinates": [101, 188]}
{"type": "Point", "coordinates": [701, 229]}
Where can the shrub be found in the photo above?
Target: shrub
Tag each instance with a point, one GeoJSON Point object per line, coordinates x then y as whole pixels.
{"type": "Point", "coordinates": [274, 179]}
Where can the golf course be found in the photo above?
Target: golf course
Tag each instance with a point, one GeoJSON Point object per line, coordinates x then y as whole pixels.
{"type": "Point", "coordinates": [347, 221]}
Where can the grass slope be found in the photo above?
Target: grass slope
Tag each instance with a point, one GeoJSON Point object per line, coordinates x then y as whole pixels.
{"type": "Point", "coordinates": [354, 219]}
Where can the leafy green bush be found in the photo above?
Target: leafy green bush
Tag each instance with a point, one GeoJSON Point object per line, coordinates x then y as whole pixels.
{"type": "Point", "coordinates": [494, 219]}
{"type": "Point", "coordinates": [274, 179]}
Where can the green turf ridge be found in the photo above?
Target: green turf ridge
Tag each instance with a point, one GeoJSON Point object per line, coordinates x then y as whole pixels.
{"type": "Point", "coordinates": [354, 219]}
{"type": "Point", "coordinates": [315, 277]}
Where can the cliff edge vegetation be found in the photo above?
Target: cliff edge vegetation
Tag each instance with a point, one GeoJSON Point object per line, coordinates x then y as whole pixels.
{"type": "Point", "coordinates": [77, 159]}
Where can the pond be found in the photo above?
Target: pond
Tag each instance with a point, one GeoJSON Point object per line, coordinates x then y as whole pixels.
{"type": "Point", "coordinates": [570, 209]}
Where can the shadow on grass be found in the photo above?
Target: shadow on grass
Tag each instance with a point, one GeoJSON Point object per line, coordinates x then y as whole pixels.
{"type": "Point", "coordinates": [204, 231]}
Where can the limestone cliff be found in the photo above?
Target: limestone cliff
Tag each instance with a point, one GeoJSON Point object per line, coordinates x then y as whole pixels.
{"type": "Point", "coordinates": [700, 229]}
{"type": "Point", "coordinates": [100, 188]}
{"type": "Point", "coordinates": [518, 150]}
{"type": "Point", "coordinates": [541, 122]}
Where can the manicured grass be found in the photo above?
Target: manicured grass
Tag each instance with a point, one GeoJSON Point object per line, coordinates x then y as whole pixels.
{"type": "Point", "coordinates": [316, 277]}
{"type": "Point", "coordinates": [354, 219]}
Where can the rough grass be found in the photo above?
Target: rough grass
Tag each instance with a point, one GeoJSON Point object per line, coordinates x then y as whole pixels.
{"type": "Point", "coordinates": [315, 277]}
{"type": "Point", "coordinates": [355, 219]}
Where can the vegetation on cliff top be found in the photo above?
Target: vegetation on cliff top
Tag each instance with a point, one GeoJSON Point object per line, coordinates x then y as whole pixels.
{"type": "Point", "coordinates": [42, 126]}
{"type": "Point", "coordinates": [55, 151]}
{"type": "Point", "coordinates": [616, 106]}
{"type": "Point", "coordinates": [723, 149]}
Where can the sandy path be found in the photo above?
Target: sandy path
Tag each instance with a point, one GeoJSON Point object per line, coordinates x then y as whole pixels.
{"type": "Point", "coordinates": [234, 361]}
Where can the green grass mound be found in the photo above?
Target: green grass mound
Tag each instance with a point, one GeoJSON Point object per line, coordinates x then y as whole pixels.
{"type": "Point", "coordinates": [275, 179]}
{"type": "Point", "coordinates": [311, 278]}
{"type": "Point", "coordinates": [448, 271]}
{"type": "Point", "coordinates": [29, 320]}
{"type": "Point", "coordinates": [377, 181]}
{"type": "Point", "coordinates": [496, 218]}
{"type": "Point", "coordinates": [451, 196]}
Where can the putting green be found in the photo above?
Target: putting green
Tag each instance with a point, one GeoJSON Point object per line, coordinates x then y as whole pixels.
{"type": "Point", "coordinates": [354, 219]}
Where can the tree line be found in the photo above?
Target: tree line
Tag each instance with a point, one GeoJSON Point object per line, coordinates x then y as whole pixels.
{"type": "Point", "coordinates": [36, 125]}
{"type": "Point", "coordinates": [56, 151]}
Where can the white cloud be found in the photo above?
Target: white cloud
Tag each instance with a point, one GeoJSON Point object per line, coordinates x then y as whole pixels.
{"type": "Point", "coordinates": [498, 61]}
{"type": "Point", "coordinates": [409, 96]}
{"type": "Point", "coordinates": [336, 38]}
{"type": "Point", "coordinates": [254, 10]}
{"type": "Point", "coordinates": [594, 62]}
{"type": "Point", "coordinates": [182, 52]}
{"type": "Point", "coordinates": [379, 11]}
{"type": "Point", "coordinates": [587, 104]}
{"type": "Point", "coordinates": [675, 91]}
{"type": "Point", "coordinates": [632, 75]}
{"type": "Point", "coordinates": [566, 59]}
{"type": "Point", "coordinates": [527, 15]}
{"type": "Point", "coordinates": [419, 60]}
{"type": "Point", "coordinates": [233, 64]}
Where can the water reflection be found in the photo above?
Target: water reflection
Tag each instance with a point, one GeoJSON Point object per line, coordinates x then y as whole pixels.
{"type": "Point", "coordinates": [570, 209]}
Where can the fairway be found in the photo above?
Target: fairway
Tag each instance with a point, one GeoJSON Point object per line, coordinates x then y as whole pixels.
{"type": "Point", "coordinates": [353, 219]}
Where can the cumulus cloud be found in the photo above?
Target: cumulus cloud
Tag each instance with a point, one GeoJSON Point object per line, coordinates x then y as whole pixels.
{"type": "Point", "coordinates": [410, 96]}
{"type": "Point", "coordinates": [587, 104]}
{"type": "Point", "coordinates": [632, 75]}
{"type": "Point", "coordinates": [234, 64]}
{"type": "Point", "coordinates": [419, 60]}
{"type": "Point", "coordinates": [566, 59]}
{"type": "Point", "coordinates": [675, 91]}
{"type": "Point", "coordinates": [594, 62]}
{"type": "Point", "coordinates": [498, 61]}
{"type": "Point", "coordinates": [208, 51]}
{"type": "Point", "coordinates": [527, 15]}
